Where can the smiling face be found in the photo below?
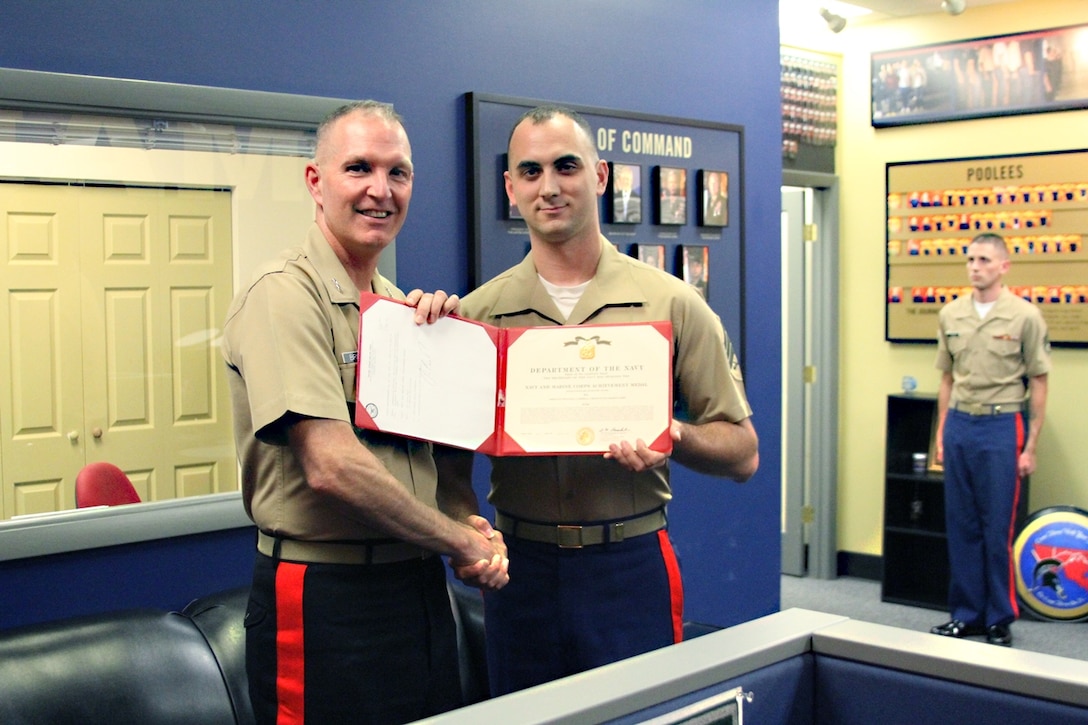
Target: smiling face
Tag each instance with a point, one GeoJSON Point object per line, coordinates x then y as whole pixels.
{"type": "Point", "coordinates": [555, 178]}
{"type": "Point", "coordinates": [361, 180]}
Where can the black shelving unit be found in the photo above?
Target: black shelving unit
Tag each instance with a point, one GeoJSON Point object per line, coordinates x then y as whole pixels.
{"type": "Point", "coordinates": [915, 562]}
{"type": "Point", "coordinates": [915, 558]}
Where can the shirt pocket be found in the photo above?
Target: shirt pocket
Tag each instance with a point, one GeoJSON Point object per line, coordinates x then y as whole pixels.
{"type": "Point", "coordinates": [956, 344]}
{"type": "Point", "coordinates": [1004, 344]}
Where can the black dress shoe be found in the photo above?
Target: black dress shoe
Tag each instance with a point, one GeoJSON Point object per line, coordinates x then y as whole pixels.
{"type": "Point", "coordinates": [956, 628]}
{"type": "Point", "coordinates": [999, 634]}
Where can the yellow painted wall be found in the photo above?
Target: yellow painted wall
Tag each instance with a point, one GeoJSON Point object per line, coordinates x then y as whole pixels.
{"type": "Point", "coordinates": [869, 367]}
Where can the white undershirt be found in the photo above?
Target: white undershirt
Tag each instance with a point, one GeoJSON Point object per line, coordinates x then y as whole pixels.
{"type": "Point", "coordinates": [565, 298]}
{"type": "Point", "coordinates": [983, 308]}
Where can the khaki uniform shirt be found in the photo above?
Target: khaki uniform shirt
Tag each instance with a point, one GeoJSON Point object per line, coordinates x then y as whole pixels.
{"type": "Point", "coordinates": [291, 342]}
{"type": "Point", "coordinates": [989, 358]}
{"type": "Point", "coordinates": [706, 378]}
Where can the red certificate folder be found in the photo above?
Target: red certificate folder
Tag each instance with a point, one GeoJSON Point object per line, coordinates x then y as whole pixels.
{"type": "Point", "coordinates": [513, 391]}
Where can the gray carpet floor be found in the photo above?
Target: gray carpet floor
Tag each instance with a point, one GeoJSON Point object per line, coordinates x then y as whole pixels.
{"type": "Point", "coordinates": [860, 599]}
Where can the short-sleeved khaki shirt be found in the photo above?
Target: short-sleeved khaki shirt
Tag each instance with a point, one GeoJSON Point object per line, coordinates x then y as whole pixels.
{"type": "Point", "coordinates": [706, 377]}
{"type": "Point", "coordinates": [291, 342]}
{"type": "Point", "coordinates": [989, 358]}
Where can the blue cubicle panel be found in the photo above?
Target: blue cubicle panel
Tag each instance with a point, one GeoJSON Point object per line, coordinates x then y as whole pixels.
{"type": "Point", "coordinates": [807, 668]}
{"type": "Point", "coordinates": [160, 554]}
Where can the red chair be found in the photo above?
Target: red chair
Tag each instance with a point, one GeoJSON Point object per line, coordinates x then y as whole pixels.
{"type": "Point", "coordinates": [104, 484]}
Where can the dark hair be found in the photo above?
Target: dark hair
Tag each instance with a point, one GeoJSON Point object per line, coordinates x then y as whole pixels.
{"type": "Point", "coordinates": [540, 114]}
{"type": "Point", "coordinates": [368, 107]}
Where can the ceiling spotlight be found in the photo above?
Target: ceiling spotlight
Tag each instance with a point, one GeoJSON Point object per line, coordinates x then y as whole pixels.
{"type": "Point", "coordinates": [837, 22]}
{"type": "Point", "coordinates": [953, 7]}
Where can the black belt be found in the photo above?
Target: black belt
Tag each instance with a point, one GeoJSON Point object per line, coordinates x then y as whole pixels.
{"type": "Point", "coordinates": [575, 536]}
{"type": "Point", "coordinates": [328, 552]}
{"type": "Point", "coordinates": [986, 408]}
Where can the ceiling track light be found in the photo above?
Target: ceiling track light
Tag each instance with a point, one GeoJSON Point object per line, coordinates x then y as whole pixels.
{"type": "Point", "coordinates": [953, 7]}
{"type": "Point", "coordinates": [836, 23]}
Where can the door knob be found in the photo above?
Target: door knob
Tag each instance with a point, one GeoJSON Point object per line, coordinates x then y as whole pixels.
{"type": "Point", "coordinates": [73, 435]}
{"type": "Point", "coordinates": [96, 432]}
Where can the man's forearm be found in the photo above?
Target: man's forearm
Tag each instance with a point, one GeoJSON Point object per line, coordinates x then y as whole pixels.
{"type": "Point", "coordinates": [719, 448]}
{"type": "Point", "coordinates": [456, 497]}
{"type": "Point", "coordinates": [337, 465]}
{"type": "Point", "coordinates": [1037, 390]}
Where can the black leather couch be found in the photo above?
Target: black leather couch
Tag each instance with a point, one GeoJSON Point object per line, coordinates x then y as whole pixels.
{"type": "Point", "coordinates": [148, 666]}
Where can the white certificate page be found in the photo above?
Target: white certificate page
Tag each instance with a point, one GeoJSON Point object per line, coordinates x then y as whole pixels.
{"type": "Point", "coordinates": [436, 382]}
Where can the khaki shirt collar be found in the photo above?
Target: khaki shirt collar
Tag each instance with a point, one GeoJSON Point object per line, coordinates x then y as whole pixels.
{"type": "Point", "coordinates": [612, 285]}
{"type": "Point", "coordinates": [337, 281]}
{"type": "Point", "coordinates": [1002, 309]}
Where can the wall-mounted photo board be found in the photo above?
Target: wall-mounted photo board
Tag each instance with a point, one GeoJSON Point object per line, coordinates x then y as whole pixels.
{"type": "Point", "coordinates": [1037, 202]}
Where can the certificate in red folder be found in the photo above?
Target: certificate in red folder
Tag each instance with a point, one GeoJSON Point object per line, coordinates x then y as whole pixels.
{"type": "Point", "coordinates": [514, 391]}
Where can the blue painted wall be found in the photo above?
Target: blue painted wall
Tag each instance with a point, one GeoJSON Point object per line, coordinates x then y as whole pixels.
{"type": "Point", "coordinates": [713, 60]}
{"type": "Point", "coordinates": [165, 574]}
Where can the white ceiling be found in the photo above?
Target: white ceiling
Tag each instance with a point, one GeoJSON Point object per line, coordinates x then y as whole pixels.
{"type": "Point", "coordinates": [903, 8]}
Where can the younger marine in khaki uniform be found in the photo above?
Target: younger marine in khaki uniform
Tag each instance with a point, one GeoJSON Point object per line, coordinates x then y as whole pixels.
{"type": "Point", "coordinates": [988, 345]}
{"type": "Point", "coordinates": [596, 579]}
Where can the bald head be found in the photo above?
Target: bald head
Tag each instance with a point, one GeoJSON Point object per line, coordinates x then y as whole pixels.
{"type": "Point", "coordinates": [543, 114]}
{"type": "Point", "coordinates": [366, 109]}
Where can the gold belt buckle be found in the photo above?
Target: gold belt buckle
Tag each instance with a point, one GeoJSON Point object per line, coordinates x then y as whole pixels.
{"type": "Point", "coordinates": [568, 537]}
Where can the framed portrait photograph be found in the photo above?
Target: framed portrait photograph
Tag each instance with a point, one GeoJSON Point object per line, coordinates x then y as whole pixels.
{"type": "Point", "coordinates": [625, 191]}
{"type": "Point", "coordinates": [671, 194]}
{"type": "Point", "coordinates": [1001, 75]}
{"type": "Point", "coordinates": [509, 209]}
{"type": "Point", "coordinates": [713, 195]}
{"type": "Point", "coordinates": [651, 254]}
{"type": "Point", "coordinates": [695, 267]}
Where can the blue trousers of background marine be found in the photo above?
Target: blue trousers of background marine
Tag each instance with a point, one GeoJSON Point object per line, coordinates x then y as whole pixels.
{"type": "Point", "coordinates": [982, 494]}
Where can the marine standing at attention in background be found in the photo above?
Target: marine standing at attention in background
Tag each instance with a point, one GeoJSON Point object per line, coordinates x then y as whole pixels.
{"type": "Point", "coordinates": [994, 357]}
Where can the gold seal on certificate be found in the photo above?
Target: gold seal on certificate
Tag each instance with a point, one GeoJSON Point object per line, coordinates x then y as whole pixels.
{"type": "Point", "coordinates": [585, 436]}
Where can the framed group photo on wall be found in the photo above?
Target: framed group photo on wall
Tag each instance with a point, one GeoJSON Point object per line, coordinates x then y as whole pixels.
{"type": "Point", "coordinates": [1031, 72]}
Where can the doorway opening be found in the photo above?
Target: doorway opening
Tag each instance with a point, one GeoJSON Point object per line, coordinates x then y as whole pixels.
{"type": "Point", "coordinates": [809, 235]}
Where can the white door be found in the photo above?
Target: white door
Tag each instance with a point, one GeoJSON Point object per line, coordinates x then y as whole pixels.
{"type": "Point", "coordinates": [41, 356]}
{"type": "Point", "coordinates": [126, 312]}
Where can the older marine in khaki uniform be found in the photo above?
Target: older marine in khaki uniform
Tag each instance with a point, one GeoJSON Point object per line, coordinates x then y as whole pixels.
{"type": "Point", "coordinates": [348, 619]}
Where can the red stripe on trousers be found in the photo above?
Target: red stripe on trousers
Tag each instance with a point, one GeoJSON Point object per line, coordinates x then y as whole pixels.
{"type": "Point", "coordinates": [290, 657]}
{"type": "Point", "coordinates": [676, 585]}
{"type": "Point", "coordinates": [1015, 606]}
